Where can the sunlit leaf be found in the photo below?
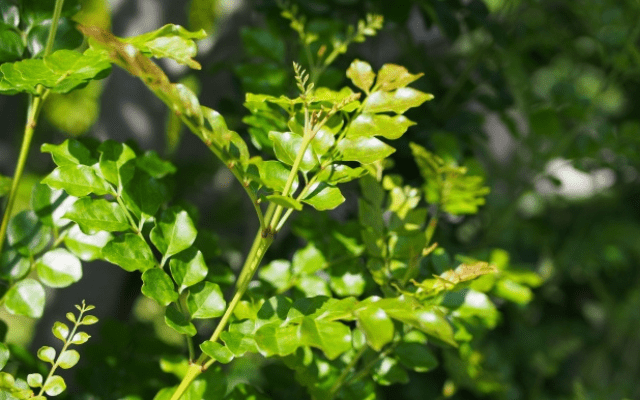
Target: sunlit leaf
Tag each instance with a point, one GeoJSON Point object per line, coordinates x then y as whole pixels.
{"type": "Point", "coordinates": [77, 180]}
{"type": "Point", "coordinates": [58, 268]}
{"type": "Point", "coordinates": [397, 101]}
{"type": "Point", "coordinates": [323, 197]}
{"type": "Point", "coordinates": [205, 300]}
{"type": "Point", "coordinates": [174, 231]}
{"type": "Point", "coordinates": [365, 150]}
{"type": "Point", "coordinates": [188, 268]}
{"type": "Point", "coordinates": [361, 75]}
{"type": "Point", "coordinates": [130, 252]}
{"type": "Point", "coordinates": [25, 298]}
{"type": "Point", "coordinates": [157, 285]}
{"type": "Point", "coordinates": [98, 215]}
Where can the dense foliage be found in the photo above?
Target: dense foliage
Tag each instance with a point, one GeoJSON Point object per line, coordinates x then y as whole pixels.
{"type": "Point", "coordinates": [388, 237]}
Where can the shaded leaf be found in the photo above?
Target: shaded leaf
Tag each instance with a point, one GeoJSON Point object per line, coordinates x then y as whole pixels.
{"type": "Point", "coordinates": [158, 286]}
{"type": "Point", "coordinates": [179, 322]}
{"type": "Point", "coordinates": [130, 252]}
{"type": "Point", "coordinates": [217, 351]}
{"type": "Point", "coordinates": [188, 268]}
{"type": "Point", "coordinates": [113, 158]}
{"type": "Point", "coordinates": [27, 234]}
{"type": "Point", "coordinates": [205, 300]}
{"type": "Point", "coordinates": [284, 201]}
{"type": "Point", "coordinates": [287, 145]}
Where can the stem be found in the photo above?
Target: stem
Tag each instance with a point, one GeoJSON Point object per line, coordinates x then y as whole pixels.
{"type": "Point", "coordinates": [34, 111]}
{"type": "Point", "coordinates": [347, 370]}
{"type": "Point", "coordinates": [260, 246]}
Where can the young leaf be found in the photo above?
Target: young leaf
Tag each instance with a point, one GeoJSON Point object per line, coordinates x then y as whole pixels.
{"type": "Point", "coordinates": [98, 215]}
{"type": "Point", "coordinates": [321, 196]}
{"type": "Point", "coordinates": [47, 354]}
{"type": "Point", "coordinates": [361, 75]}
{"type": "Point", "coordinates": [79, 338]}
{"type": "Point", "coordinates": [58, 268]}
{"type": "Point", "coordinates": [61, 331]}
{"type": "Point", "coordinates": [179, 322]}
{"type": "Point", "coordinates": [88, 319]}
{"type": "Point", "coordinates": [370, 125]}
{"type": "Point", "coordinates": [69, 153]}
{"type": "Point", "coordinates": [392, 77]}
{"type": "Point", "coordinates": [61, 71]}
{"type": "Point", "coordinates": [364, 150]}
{"type": "Point", "coordinates": [217, 351]}
{"type": "Point", "coordinates": [86, 247]}
{"type": "Point", "coordinates": [188, 268]}
{"type": "Point", "coordinates": [158, 286]}
{"type": "Point", "coordinates": [174, 231]}
{"type": "Point", "coordinates": [205, 300]}
{"type": "Point", "coordinates": [287, 145]}
{"type": "Point", "coordinates": [54, 385]}
{"type": "Point", "coordinates": [68, 359]}
{"type": "Point", "coordinates": [78, 181]}
{"type": "Point", "coordinates": [35, 380]}
{"type": "Point", "coordinates": [130, 252]}
{"type": "Point", "coordinates": [25, 298]}
{"type": "Point", "coordinates": [170, 41]}
{"type": "Point", "coordinates": [398, 101]}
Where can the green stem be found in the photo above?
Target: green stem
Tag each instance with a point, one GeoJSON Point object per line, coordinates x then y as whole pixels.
{"type": "Point", "coordinates": [34, 111]}
{"type": "Point", "coordinates": [260, 246]}
{"type": "Point", "coordinates": [345, 372]}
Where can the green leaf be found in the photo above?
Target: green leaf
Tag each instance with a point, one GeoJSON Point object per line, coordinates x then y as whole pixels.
{"type": "Point", "coordinates": [173, 232]}
{"type": "Point", "coordinates": [13, 266]}
{"type": "Point", "coordinates": [47, 354]}
{"type": "Point", "coordinates": [226, 144]}
{"type": "Point", "coordinates": [11, 44]}
{"type": "Point", "coordinates": [78, 181]}
{"type": "Point", "coordinates": [217, 351]}
{"type": "Point", "coordinates": [144, 194]}
{"type": "Point", "coordinates": [79, 338]}
{"type": "Point", "coordinates": [130, 252]}
{"type": "Point", "coordinates": [98, 215]}
{"type": "Point", "coordinates": [27, 234]}
{"type": "Point", "coordinates": [4, 355]}
{"type": "Point", "coordinates": [370, 125]}
{"type": "Point", "coordinates": [61, 331]}
{"type": "Point", "coordinates": [35, 380]}
{"type": "Point", "coordinates": [377, 327]}
{"type": "Point", "coordinates": [312, 285]}
{"type": "Point", "coordinates": [61, 71]}
{"type": "Point", "coordinates": [277, 340]}
{"type": "Point", "coordinates": [152, 164]}
{"type": "Point", "coordinates": [333, 338]}
{"type": "Point", "coordinates": [363, 149]}
{"type": "Point", "coordinates": [277, 273]}
{"type": "Point", "coordinates": [397, 101]}
{"type": "Point", "coordinates": [287, 145]}
{"type": "Point", "coordinates": [392, 77]}
{"type": "Point", "coordinates": [54, 385]}
{"type": "Point", "coordinates": [339, 173]}
{"type": "Point", "coordinates": [416, 356]}
{"type": "Point", "coordinates": [68, 153]}
{"type": "Point", "coordinates": [321, 196]}
{"type": "Point", "coordinates": [88, 319]}
{"type": "Point", "coordinates": [170, 41]}
{"type": "Point", "coordinates": [259, 42]}
{"type": "Point", "coordinates": [179, 322]}
{"type": "Point", "coordinates": [114, 157]}
{"type": "Point", "coordinates": [68, 359]}
{"type": "Point", "coordinates": [205, 300]}
{"type": "Point", "coordinates": [512, 291]}
{"type": "Point", "coordinates": [361, 75]}
{"type": "Point", "coordinates": [58, 268]}
{"type": "Point", "coordinates": [86, 247]}
{"type": "Point", "coordinates": [50, 205]}
{"type": "Point", "coordinates": [274, 175]}
{"type": "Point", "coordinates": [238, 343]}
{"type": "Point", "coordinates": [25, 298]}
{"type": "Point", "coordinates": [284, 201]}
{"type": "Point", "coordinates": [387, 372]}
{"type": "Point", "coordinates": [308, 260]}
{"type": "Point", "coordinates": [158, 286]}
{"type": "Point", "coordinates": [5, 185]}
{"type": "Point", "coordinates": [188, 268]}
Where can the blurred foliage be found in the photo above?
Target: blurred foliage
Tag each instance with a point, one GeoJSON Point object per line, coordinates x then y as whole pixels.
{"type": "Point", "coordinates": [543, 81]}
